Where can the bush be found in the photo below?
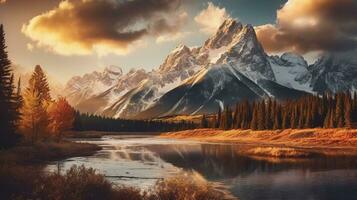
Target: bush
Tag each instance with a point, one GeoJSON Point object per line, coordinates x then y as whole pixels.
{"type": "Point", "coordinates": [77, 183]}
{"type": "Point", "coordinates": [80, 183]}
{"type": "Point", "coordinates": [184, 188]}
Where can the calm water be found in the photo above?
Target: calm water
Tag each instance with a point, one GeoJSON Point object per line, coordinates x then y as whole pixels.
{"type": "Point", "coordinates": [141, 161]}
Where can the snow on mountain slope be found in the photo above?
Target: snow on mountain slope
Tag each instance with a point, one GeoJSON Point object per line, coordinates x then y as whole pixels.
{"type": "Point", "coordinates": [334, 72]}
{"type": "Point", "coordinates": [179, 65]}
{"type": "Point", "coordinates": [102, 99]}
{"type": "Point", "coordinates": [214, 87]}
{"type": "Point", "coordinates": [81, 88]}
{"type": "Point", "coordinates": [248, 57]}
{"type": "Point", "coordinates": [291, 70]}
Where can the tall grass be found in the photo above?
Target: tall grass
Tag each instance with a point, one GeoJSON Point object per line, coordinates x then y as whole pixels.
{"type": "Point", "coordinates": [80, 183]}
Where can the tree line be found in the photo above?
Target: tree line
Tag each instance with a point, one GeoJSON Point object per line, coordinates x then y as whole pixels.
{"type": "Point", "coordinates": [87, 122]}
{"type": "Point", "coordinates": [312, 111]}
{"type": "Point", "coordinates": [32, 115]}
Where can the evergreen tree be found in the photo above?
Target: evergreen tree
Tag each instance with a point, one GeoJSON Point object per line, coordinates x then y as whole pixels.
{"type": "Point", "coordinates": [268, 120]}
{"type": "Point", "coordinates": [219, 118]}
{"type": "Point", "coordinates": [8, 110]}
{"type": "Point", "coordinates": [39, 81]}
{"type": "Point", "coordinates": [34, 122]}
{"type": "Point", "coordinates": [261, 115]}
{"type": "Point", "coordinates": [277, 118]}
{"type": "Point", "coordinates": [254, 121]}
{"type": "Point", "coordinates": [204, 122]}
{"type": "Point", "coordinates": [347, 111]}
{"type": "Point", "coordinates": [339, 110]}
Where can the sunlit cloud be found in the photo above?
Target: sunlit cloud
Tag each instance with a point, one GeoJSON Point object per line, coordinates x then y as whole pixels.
{"type": "Point", "coordinates": [85, 27]}
{"type": "Point", "coordinates": [211, 18]}
{"type": "Point", "coordinates": [30, 47]}
{"type": "Point", "coordinates": [312, 25]}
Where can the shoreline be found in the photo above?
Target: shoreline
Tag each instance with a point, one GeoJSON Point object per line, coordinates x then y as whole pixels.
{"type": "Point", "coordinates": [289, 143]}
{"type": "Point", "coordinates": [40, 153]}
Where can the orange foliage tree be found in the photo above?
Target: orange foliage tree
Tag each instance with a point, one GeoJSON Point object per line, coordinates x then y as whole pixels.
{"type": "Point", "coordinates": [61, 116]}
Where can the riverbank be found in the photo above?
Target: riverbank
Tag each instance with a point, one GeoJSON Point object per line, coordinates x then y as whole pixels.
{"type": "Point", "coordinates": [99, 134]}
{"type": "Point", "coordinates": [41, 152]}
{"type": "Point", "coordinates": [280, 143]}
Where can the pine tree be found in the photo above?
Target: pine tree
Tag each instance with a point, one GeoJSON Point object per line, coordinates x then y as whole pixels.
{"type": "Point", "coordinates": [268, 120]}
{"type": "Point", "coordinates": [293, 121]}
{"type": "Point", "coordinates": [339, 110]}
{"type": "Point", "coordinates": [8, 112]}
{"type": "Point", "coordinates": [34, 122]}
{"type": "Point", "coordinates": [277, 118]}
{"type": "Point", "coordinates": [213, 122]}
{"type": "Point", "coordinates": [261, 115]}
{"type": "Point", "coordinates": [39, 80]}
{"type": "Point", "coordinates": [38, 95]}
{"type": "Point", "coordinates": [254, 121]}
{"type": "Point", "coordinates": [347, 111]}
{"type": "Point", "coordinates": [204, 122]}
{"type": "Point", "coordinates": [219, 118]}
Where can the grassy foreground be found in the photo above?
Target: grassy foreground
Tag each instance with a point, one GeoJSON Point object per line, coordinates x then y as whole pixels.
{"type": "Point", "coordinates": [45, 151]}
{"type": "Point", "coordinates": [280, 143]}
{"type": "Point", "coordinates": [80, 183]}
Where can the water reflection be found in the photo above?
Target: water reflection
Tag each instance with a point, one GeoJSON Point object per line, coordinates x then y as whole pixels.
{"type": "Point", "coordinates": [142, 161]}
{"type": "Point", "coordinates": [221, 161]}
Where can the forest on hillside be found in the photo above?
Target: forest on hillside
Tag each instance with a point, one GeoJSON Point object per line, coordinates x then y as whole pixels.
{"type": "Point", "coordinates": [89, 122]}
{"type": "Point", "coordinates": [312, 111]}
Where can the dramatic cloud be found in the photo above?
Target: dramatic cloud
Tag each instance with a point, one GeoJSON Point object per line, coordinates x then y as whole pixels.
{"type": "Point", "coordinates": [211, 18]}
{"type": "Point", "coordinates": [312, 25]}
{"type": "Point", "coordinates": [104, 26]}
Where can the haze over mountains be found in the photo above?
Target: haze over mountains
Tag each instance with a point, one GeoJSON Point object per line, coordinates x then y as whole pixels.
{"type": "Point", "coordinates": [229, 67]}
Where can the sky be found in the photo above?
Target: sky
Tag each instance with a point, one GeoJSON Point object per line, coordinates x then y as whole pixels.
{"type": "Point", "coordinates": [73, 37]}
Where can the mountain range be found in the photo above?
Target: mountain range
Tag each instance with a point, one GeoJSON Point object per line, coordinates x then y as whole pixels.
{"type": "Point", "coordinates": [229, 67]}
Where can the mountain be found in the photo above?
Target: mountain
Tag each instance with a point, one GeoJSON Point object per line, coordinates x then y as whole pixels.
{"type": "Point", "coordinates": [292, 71]}
{"type": "Point", "coordinates": [81, 88]}
{"type": "Point", "coordinates": [243, 71]}
{"type": "Point", "coordinates": [230, 66]}
{"type": "Point", "coordinates": [334, 72]}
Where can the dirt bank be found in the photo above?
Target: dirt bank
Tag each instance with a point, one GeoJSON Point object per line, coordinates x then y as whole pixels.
{"type": "Point", "coordinates": [280, 143]}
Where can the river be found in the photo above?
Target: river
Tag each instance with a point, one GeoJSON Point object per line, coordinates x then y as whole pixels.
{"type": "Point", "coordinates": [140, 161]}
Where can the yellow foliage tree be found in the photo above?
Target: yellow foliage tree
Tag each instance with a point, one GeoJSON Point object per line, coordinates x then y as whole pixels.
{"type": "Point", "coordinates": [34, 121]}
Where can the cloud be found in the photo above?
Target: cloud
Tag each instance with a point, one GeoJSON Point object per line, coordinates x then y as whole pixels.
{"type": "Point", "coordinates": [312, 25]}
{"type": "Point", "coordinates": [81, 27]}
{"type": "Point", "coordinates": [30, 47]}
{"type": "Point", "coordinates": [211, 18]}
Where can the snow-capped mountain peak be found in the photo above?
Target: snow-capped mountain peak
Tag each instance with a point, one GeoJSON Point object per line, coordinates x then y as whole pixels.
{"type": "Point", "coordinates": [180, 58]}
{"type": "Point", "coordinates": [224, 35]}
{"type": "Point", "coordinates": [247, 55]}
{"type": "Point", "coordinates": [115, 70]}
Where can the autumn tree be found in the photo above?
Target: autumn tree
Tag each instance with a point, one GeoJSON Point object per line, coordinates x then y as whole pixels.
{"type": "Point", "coordinates": [34, 121]}
{"type": "Point", "coordinates": [39, 81]}
{"type": "Point", "coordinates": [61, 116]}
{"type": "Point", "coordinates": [36, 99]}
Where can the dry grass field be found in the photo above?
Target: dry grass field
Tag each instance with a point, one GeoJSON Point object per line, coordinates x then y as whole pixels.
{"type": "Point", "coordinates": [280, 143]}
